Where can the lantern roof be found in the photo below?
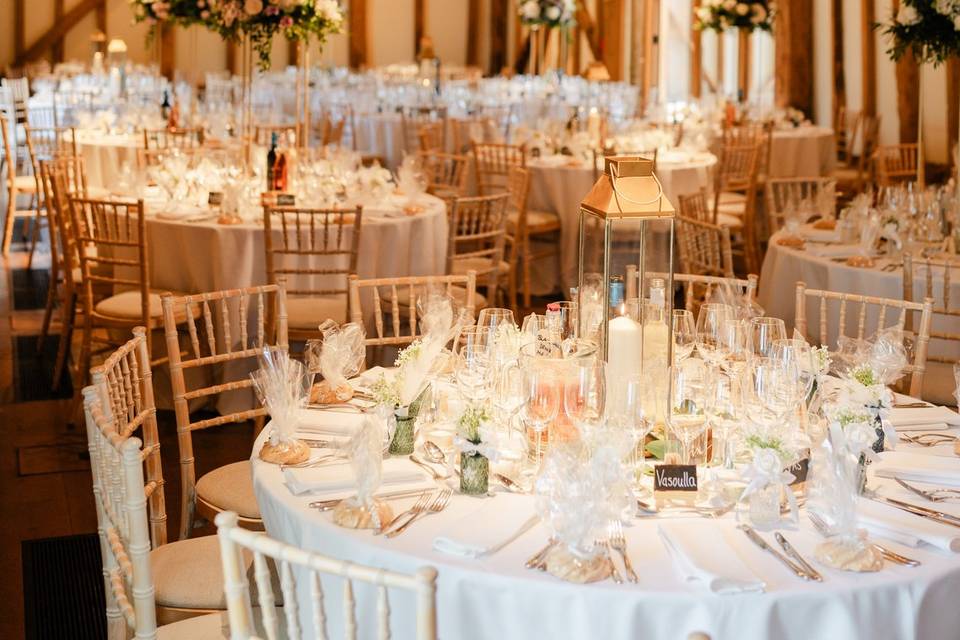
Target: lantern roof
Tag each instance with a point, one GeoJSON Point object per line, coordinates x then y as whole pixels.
{"type": "Point", "coordinates": [628, 188]}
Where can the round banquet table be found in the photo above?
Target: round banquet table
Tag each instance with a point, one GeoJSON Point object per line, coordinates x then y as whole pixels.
{"type": "Point", "coordinates": [784, 266]}
{"type": "Point", "coordinates": [495, 597]}
{"type": "Point", "coordinates": [802, 151]}
{"type": "Point", "coordinates": [106, 153]}
{"type": "Point", "coordinates": [381, 134]}
{"type": "Point", "coordinates": [559, 183]}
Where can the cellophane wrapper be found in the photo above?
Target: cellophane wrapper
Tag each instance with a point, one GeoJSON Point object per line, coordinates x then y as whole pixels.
{"type": "Point", "coordinates": [282, 385]}
{"type": "Point", "coordinates": [410, 178]}
{"type": "Point", "coordinates": [342, 353]}
{"type": "Point", "coordinates": [441, 319]}
{"type": "Point", "coordinates": [365, 449]}
{"type": "Point", "coordinates": [743, 304]}
{"type": "Point", "coordinates": [582, 487]}
{"type": "Point", "coordinates": [885, 353]}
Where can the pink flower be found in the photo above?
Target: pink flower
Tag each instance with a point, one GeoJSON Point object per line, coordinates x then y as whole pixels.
{"type": "Point", "coordinates": [271, 10]}
{"type": "Point", "coordinates": [204, 14]}
{"type": "Point", "coordinates": [201, 4]}
{"type": "Point", "coordinates": [286, 22]}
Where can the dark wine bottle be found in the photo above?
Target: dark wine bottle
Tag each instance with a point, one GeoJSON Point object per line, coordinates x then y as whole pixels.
{"type": "Point", "coordinates": [280, 172]}
{"type": "Point", "coordinates": [165, 106]}
{"type": "Point", "coordinates": [272, 163]}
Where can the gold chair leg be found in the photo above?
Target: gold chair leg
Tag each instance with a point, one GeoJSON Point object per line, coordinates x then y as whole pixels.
{"type": "Point", "coordinates": [8, 223]}
{"type": "Point", "coordinates": [34, 236]}
{"type": "Point", "coordinates": [68, 316]}
{"type": "Point", "coordinates": [47, 312]}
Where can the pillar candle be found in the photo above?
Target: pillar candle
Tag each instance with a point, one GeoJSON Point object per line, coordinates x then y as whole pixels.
{"type": "Point", "coordinates": [624, 341]}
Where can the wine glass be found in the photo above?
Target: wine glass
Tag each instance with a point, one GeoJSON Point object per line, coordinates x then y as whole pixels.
{"type": "Point", "coordinates": [637, 414]}
{"type": "Point", "coordinates": [473, 371]}
{"type": "Point", "coordinates": [712, 327]}
{"type": "Point", "coordinates": [491, 318]}
{"type": "Point", "coordinates": [763, 332]}
{"type": "Point", "coordinates": [687, 417]}
{"type": "Point", "coordinates": [470, 337]}
{"type": "Point", "coordinates": [584, 393]}
{"type": "Point", "coordinates": [723, 410]}
{"type": "Point", "coordinates": [737, 342]}
{"type": "Point", "coordinates": [796, 352]}
{"type": "Point", "coordinates": [684, 334]}
{"type": "Point", "coordinates": [768, 392]}
{"type": "Point", "coordinates": [541, 404]}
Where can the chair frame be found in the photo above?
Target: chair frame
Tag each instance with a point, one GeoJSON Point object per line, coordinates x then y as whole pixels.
{"type": "Point", "coordinates": [925, 309]}
{"type": "Point", "coordinates": [897, 163]}
{"type": "Point", "coordinates": [492, 161]}
{"type": "Point", "coordinates": [480, 223]}
{"type": "Point", "coordinates": [186, 138]}
{"type": "Point", "coordinates": [941, 304]}
{"type": "Point", "coordinates": [13, 191]}
{"type": "Point", "coordinates": [779, 190]}
{"type": "Point", "coordinates": [704, 248]}
{"type": "Point", "coordinates": [446, 173]}
{"type": "Point", "coordinates": [691, 283]}
{"type": "Point", "coordinates": [270, 322]}
{"type": "Point", "coordinates": [519, 237]}
{"type": "Point", "coordinates": [46, 143]}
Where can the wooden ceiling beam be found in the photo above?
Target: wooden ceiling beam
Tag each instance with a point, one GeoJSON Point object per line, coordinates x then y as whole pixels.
{"type": "Point", "coordinates": [839, 78]}
{"type": "Point", "coordinates": [358, 34]}
{"type": "Point", "coordinates": [869, 59]}
{"type": "Point", "coordinates": [43, 44]}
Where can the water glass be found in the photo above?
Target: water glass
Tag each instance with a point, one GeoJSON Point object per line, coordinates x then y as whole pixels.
{"type": "Point", "coordinates": [684, 334]}
{"type": "Point", "coordinates": [687, 417]}
{"type": "Point", "coordinates": [712, 331]}
{"type": "Point", "coordinates": [763, 332]}
{"type": "Point", "coordinates": [584, 392]}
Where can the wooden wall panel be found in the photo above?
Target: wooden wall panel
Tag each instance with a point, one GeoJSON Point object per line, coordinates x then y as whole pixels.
{"type": "Point", "coordinates": [359, 53]}
{"type": "Point", "coordinates": [839, 79]}
{"type": "Point", "coordinates": [793, 71]}
{"type": "Point", "coordinates": [869, 52]}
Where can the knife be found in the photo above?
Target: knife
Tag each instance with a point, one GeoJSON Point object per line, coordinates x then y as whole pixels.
{"type": "Point", "coordinates": [813, 573]}
{"type": "Point", "coordinates": [923, 512]}
{"type": "Point", "coordinates": [911, 489]}
{"type": "Point", "coordinates": [760, 542]}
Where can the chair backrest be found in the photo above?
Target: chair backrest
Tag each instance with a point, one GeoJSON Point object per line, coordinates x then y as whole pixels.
{"type": "Point", "coordinates": [696, 206]}
{"type": "Point", "coordinates": [60, 179]}
{"type": "Point", "coordinates": [833, 323]}
{"type": "Point", "coordinates": [493, 162]}
{"type": "Point", "coordinates": [178, 138]}
{"type": "Point", "coordinates": [897, 163]}
{"type": "Point", "coordinates": [477, 229]}
{"type": "Point", "coordinates": [499, 116]}
{"type": "Point", "coordinates": [782, 193]}
{"type": "Point", "coordinates": [413, 117]}
{"type": "Point", "coordinates": [343, 113]}
{"type": "Point", "coordinates": [431, 136]}
{"type": "Point", "coordinates": [737, 169]}
{"type": "Point", "coordinates": [263, 133]}
{"type": "Point", "coordinates": [750, 134]}
{"type": "Point", "coordinates": [234, 541]}
{"type": "Point", "coordinates": [112, 245]}
{"type": "Point", "coordinates": [446, 173]}
{"type": "Point", "coordinates": [222, 326]}
{"type": "Point", "coordinates": [317, 248]}
{"type": "Point", "coordinates": [8, 145]}
{"type": "Point", "coordinates": [696, 288]}
{"type": "Point", "coordinates": [518, 188]}
{"type": "Point", "coordinates": [846, 126]}
{"type": "Point", "coordinates": [331, 130]}
{"type": "Point", "coordinates": [397, 293]}
{"type": "Point", "coordinates": [937, 284]}
{"type": "Point", "coordinates": [49, 143]}
{"type": "Point", "coordinates": [466, 131]}
{"type": "Point", "coordinates": [704, 248]}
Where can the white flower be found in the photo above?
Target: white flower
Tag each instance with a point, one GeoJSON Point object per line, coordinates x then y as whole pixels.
{"type": "Point", "coordinates": [328, 9]}
{"type": "Point", "coordinates": [704, 14]}
{"type": "Point", "coordinates": [742, 9]}
{"type": "Point", "coordinates": [907, 15]}
{"type": "Point", "coordinates": [553, 13]}
{"type": "Point", "coordinates": [530, 10]}
{"type": "Point", "coordinates": [759, 13]}
{"type": "Point", "coordinates": [253, 7]}
{"type": "Point", "coordinates": [956, 22]}
{"type": "Point", "coordinates": [729, 5]}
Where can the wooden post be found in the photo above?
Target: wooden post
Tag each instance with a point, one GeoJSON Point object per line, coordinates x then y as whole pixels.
{"type": "Point", "coordinates": [58, 45]}
{"type": "Point", "coordinates": [473, 33]}
{"type": "Point", "coordinates": [358, 33]}
{"type": "Point", "coordinates": [498, 35]}
{"type": "Point", "coordinates": [953, 106]}
{"type": "Point", "coordinates": [743, 65]}
{"type": "Point", "coordinates": [839, 79]}
{"type": "Point", "coordinates": [649, 15]}
{"type": "Point", "coordinates": [168, 42]}
{"type": "Point", "coordinates": [419, 17]}
{"type": "Point", "coordinates": [19, 28]}
{"type": "Point", "coordinates": [232, 57]}
{"type": "Point", "coordinates": [696, 56]}
{"type": "Point", "coordinates": [869, 61]}
{"type": "Point", "coordinates": [293, 56]}
{"type": "Point", "coordinates": [793, 71]}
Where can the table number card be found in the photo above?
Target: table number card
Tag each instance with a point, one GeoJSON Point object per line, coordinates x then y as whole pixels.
{"type": "Point", "coordinates": [286, 200]}
{"type": "Point", "coordinates": [215, 198]}
{"type": "Point", "coordinates": [675, 483]}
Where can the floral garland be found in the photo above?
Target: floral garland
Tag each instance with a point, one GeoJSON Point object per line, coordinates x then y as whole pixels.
{"type": "Point", "coordinates": [549, 13]}
{"type": "Point", "coordinates": [258, 20]}
{"type": "Point", "coordinates": [930, 27]}
{"type": "Point", "coordinates": [720, 15]}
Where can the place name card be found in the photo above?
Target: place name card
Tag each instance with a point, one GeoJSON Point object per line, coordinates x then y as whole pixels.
{"type": "Point", "coordinates": [215, 198]}
{"type": "Point", "coordinates": [799, 469]}
{"type": "Point", "coordinates": [286, 200]}
{"type": "Point", "coordinates": [675, 483]}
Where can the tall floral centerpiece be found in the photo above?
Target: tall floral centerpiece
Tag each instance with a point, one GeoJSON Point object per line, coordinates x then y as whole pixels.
{"type": "Point", "coordinates": [548, 14]}
{"type": "Point", "coordinates": [931, 30]}
{"type": "Point", "coordinates": [746, 16]}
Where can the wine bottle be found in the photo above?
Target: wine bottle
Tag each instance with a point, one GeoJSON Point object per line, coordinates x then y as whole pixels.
{"type": "Point", "coordinates": [165, 105]}
{"type": "Point", "coordinates": [280, 172]}
{"type": "Point", "coordinates": [272, 163]}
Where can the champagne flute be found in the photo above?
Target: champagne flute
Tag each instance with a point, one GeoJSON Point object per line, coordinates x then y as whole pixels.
{"type": "Point", "coordinates": [584, 394]}
{"type": "Point", "coordinates": [723, 410]}
{"type": "Point", "coordinates": [687, 417]}
{"type": "Point", "coordinates": [712, 323]}
{"type": "Point", "coordinates": [684, 334]}
{"type": "Point", "coordinates": [763, 332]}
{"type": "Point", "coordinates": [541, 404]}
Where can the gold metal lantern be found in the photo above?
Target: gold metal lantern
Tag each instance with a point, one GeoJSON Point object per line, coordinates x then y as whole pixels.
{"type": "Point", "coordinates": [625, 293]}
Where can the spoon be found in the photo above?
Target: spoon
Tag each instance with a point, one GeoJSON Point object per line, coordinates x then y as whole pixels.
{"type": "Point", "coordinates": [509, 483]}
{"type": "Point", "coordinates": [434, 453]}
{"type": "Point", "coordinates": [428, 468]}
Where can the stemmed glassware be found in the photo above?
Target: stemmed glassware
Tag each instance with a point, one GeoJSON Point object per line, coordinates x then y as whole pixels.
{"type": "Point", "coordinates": [584, 395]}
{"type": "Point", "coordinates": [687, 416]}
{"type": "Point", "coordinates": [712, 332]}
{"type": "Point", "coordinates": [769, 391]}
{"type": "Point", "coordinates": [473, 372]}
{"type": "Point", "coordinates": [490, 319]}
{"type": "Point", "coordinates": [684, 334]}
{"type": "Point", "coordinates": [541, 404]}
{"type": "Point", "coordinates": [723, 412]}
{"type": "Point", "coordinates": [762, 334]}
{"type": "Point", "coordinates": [638, 415]}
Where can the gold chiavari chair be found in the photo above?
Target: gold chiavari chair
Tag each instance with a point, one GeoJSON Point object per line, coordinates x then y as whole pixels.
{"type": "Point", "coordinates": [331, 131]}
{"type": "Point", "coordinates": [854, 178]}
{"type": "Point", "coordinates": [750, 134]}
{"type": "Point", "coordinates": [17, 185]}
{"type": "Point", "coordinates": [696, 288]}
{"type": "Point", "coordinates": [238, 544]}
{"type": "Point", "coordinates": [316, 252]}
{"type": "Point", "coordinates": [43, 117]}
{"type": "Point", "coordinates": [431, 136]}
{"type": "Point", "coordinates": [696, 206]}
{"type": "Point", "coordinates": [138, 562]}
{"type": "Point", "coordinates": [784, 192]}
{"type": "Point", "coordinates": [846, 127]}
{"type": "Point", "coordinates": [343, 113]}
{"type": "Point", "coordinates": [46, 144]}
{"type": "Point", "coordinates": [525, 227]}
{"type": "Point", "coordinates": [897, 163]}
{"type": "Point", "coordinates": [466, 131]}
{"type": "Point", "coordinates": [412, 118]}
{"type": "Point", "coordinates": [704, 248]}
{"type": "Point", "coordinates": [394, 301]}
{"type": "Point", "coordinates": [834, 313]}
{"type": "Point", "coordinates": [177, 138]}
{"type": "Point", "coordinates": [446, 173]}
{"type": "Point", "coordinates": [477, 238]}
{"type": "Point", "coordinates": [493, 162]}
{"type": "Point", "coordinates": [735, 200]}
{"type": "Point", "coordinates": [938, 277]}
{"type": "Point", "coordinates": [261, 323]}
{"type": "Point", "coordinates": [263, 133]}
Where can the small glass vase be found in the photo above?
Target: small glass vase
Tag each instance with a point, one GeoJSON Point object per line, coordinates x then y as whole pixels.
{"type": "Point", "coordinates": [763, 507]}
{"type": "Point", "coordinates": [404, 436]}
{"type": "Point", "coordinates": [474, 474]}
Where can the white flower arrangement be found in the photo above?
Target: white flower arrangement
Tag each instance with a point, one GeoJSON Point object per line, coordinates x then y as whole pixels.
{"type": "Point", "coordinates": [549, 13]}
{"type": "Point", "coordinates": [720, 15]}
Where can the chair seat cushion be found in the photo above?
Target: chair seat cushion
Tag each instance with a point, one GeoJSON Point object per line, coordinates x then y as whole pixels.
{"type": "Point", "coordinates": [214, 626]}
{"type": "Point", "coordinates": [729, 220]}
{"type": "Point", "coordinates": [309, 313]}
{"type": "Point", "coordinates": [230, 488]}
{"type": "Point", "coordinates": [730, 197]}
{"type": "Point", "coordinates": [481, 265]}
{"type": "Point", "coordinates": [537, 221]}
{"type": "Point", "coordinates": [126, 306]}
{"type": "Point", "coordinates": [25, 184]}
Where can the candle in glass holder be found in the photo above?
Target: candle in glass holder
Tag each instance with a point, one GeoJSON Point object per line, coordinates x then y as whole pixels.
{"type": "Point", "coordinates": [624, 342]}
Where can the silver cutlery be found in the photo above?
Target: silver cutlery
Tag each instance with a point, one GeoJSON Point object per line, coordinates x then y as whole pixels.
{"type": "Point", "coordinates": [438, 504]}
{"type": "Point", "coordinates": [787, 562]}
{"type": "Point", "coordinates": [619, 543]}
{"type": "Point", "coordinates": [793, 553]}
{"type": "Point", "coordinates": [315, 462]}
{"type": "Point", "coordinates": [933, 495]}
{"type": "Point", "coordinates": [917, 510]}
{"type": "Point", "coordinates": [890, 555]}
{"type": "Point", "coordinates": [537, 560]}
{"type": "Point", "coordinates": [526, 526]}
{"type": "Point", "coordinates": [417, 508]}
{"type": "Point", "coordinates": [928, 439]}
{"type": "Point", "coordinates": [423, 465]}
{"type": "Point", "coordinates": [509, 483]}
{"type": "Point", "coordinates": [614, 572]}
{"type": "Point", "coordinates": [326, 505]}
{"type": "Point", "coordinates": [911, 405]}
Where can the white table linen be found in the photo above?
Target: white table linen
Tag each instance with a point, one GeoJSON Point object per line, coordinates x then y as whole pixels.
{"type": "Point", "coordinates": [802, 152]}
{"type": "Point", "coordinates": [105, 154]}
{"type": "Point", "coordinates": [495, 597]}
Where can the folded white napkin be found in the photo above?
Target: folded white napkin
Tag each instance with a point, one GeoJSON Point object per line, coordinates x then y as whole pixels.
{"type": "Point", "coordinates": [938, 470]}
{"type": "Point", "coordinates": [933, 426]}
{"type": "Point", "coordinates": [368, 377]}
{"type": "Point", "coordinates": [183, 213]}
{"type": "Point", "coordinates": [809, 232]}
{"type": "Point", "coordinates": [714, 567]}
{"type": "Point", "coordinates": [833, 250]}
{"type": "Point", "coordinates": [333, 481]}
{"type": "Point", "coordinates": [502, 523]}
{"type": "Point", "coordinates": [905, 418]}
{"type": "Point", "coordinates": [906, 526]}
{"type": "Point", "coordinates": [332, 423]}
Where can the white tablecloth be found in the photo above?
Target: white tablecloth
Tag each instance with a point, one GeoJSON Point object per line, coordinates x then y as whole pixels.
{"type": "Point", "coordinates": [802, 152]}
{"type": "Point", "coordinates": [783, 267]}
{"type": "Point", "coordinates": [105, 153]}
{"type": "Point", "coordinates": [558, 187]}
{"type": "Point", "coordinates": [381, 134]}
{"type": "Point", "coordinates": [495, 597]}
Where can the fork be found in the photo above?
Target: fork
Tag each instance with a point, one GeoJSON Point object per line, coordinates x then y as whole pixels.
{"type": "Point", "coordinates": [438, 504]}
{"type": "Point", "coordinates": [619, 543]}
{"type": "Point", "coordinates": [417, 508]}
{"type": "Point", "coordinates": [892, 556]}
{"type": "Point", "coordinates": [933, 495]}
{"type": "Point", "coordinates": [608, 551]}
